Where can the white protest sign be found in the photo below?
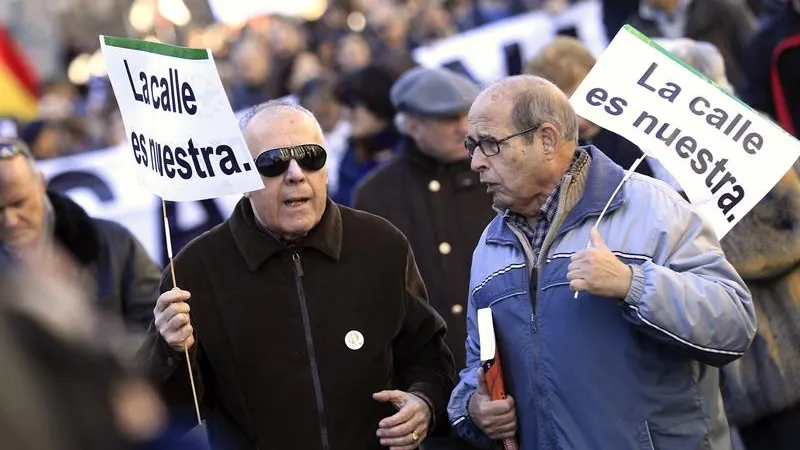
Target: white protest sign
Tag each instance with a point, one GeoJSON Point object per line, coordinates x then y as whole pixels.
{"type": "Point", "coordinates": [725, 155]}
{"type": "Point", "coordinates": [184, 137]}
{"type": "Point", "coordinates": [500, 49]}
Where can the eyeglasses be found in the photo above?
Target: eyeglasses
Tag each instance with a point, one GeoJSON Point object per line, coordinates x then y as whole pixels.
{"type": "Point", "coordinates": [490, 146]}
{"type": "Point", "coordinates": [275, 162]}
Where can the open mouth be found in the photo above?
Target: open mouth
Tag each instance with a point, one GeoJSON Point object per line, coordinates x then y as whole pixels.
{"type": "Point", "coordinates": [295, 202]}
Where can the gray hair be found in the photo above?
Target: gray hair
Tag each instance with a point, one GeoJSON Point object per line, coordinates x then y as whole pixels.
{"type": "Point", "coordinates": [17, 148]}
{"type": "Point", "coordinates": [273, 106]}
{"type": "Point", "coordinates": [705, 57]}
{"type": "Point", "coordinates": [534, 107]}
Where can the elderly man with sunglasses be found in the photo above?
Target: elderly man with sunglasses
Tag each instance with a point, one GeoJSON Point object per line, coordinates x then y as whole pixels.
{"type": "Point", "coordinates": [631, 362]}
{"type": "Point", "coordinates": [307, 323]}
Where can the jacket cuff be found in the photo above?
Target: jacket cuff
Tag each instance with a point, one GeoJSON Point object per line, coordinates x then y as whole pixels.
{"type": "Point", "coordinates": [462, 423]}
{"type": "Point", "coordinates": [429, 393]}
{"type": "Point", "coordinates": [424, 398]}
{"type": "Point", "coordinates": [637, 285]}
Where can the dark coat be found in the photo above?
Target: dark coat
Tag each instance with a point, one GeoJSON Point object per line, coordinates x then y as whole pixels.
{"type": "Point", "coordinates": [756, 88]}
{"type": "Point", "coordinates": [728, 24]}
{"type": "Point", "coordinates": [273, 367]}
{"type": "Point", "coordinates": [452, 214]}
{"type": "Point", "coordinates": [125, 277]}
{"type": "Point", "coordinates": [765, 250]}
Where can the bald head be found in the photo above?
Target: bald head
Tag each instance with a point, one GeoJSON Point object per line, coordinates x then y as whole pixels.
{"type": "Point", "coordinates": [279, 124]}
{"type": "Point", "coordinates": [533, 101]}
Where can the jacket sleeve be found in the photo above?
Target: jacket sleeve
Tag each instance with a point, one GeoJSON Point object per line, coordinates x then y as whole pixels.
{"type": "Point", "coordinates": [167, 368]}
{"type": "Point", "coordinates": [690, 297]}
{"type": "Point", "coordinates": [458, 408]}
{"type": "Point", "coordinates": [423, 361]}
{"type": "Point", "coordinates": [139, 285]}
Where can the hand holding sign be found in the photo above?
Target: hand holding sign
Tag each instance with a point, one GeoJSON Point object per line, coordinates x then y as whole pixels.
{"type": "Point", "coordinates": [172, 319]}
{"type": "Point", "coordinates": [596, 270]}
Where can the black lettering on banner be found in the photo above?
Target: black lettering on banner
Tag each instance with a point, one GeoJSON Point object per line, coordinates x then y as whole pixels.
{"type": "Point", "coordinates": [669, 92]}
{"type": "Point", "coordinates": [185, 171]}
{"type": "Point", "coordinates": [189, 162]}
{"type": "Point", "coordinates": [135, 147]}
{"type": "Point", "coordinates": [169, 161]}
{"type": "Point", "coordinates": [170, 93]}
{"type": "Point", "coordinates": [74, 179]}
{"type": "Point", "coordinates": [512, 54]}
{"type": "Point", "coordinates": [599, 96]}
{"type": "Point", "coordinates": [228, 164]}
{"type": "Point", "coordinates": [194, 152]}
{"type": "Point", "coordinates": [687, 148]}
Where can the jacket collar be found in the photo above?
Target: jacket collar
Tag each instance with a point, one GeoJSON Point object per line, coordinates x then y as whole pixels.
{"type": "Point", "coordinates": [257, 245]}
{"type": "Point", "coordinates": [604, 176]}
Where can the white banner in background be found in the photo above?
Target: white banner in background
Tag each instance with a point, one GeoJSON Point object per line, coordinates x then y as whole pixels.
{"type": "Point", "coordinates": [725, 155]}
{"type": "Point", "coordinates": [486, 53]}
{"type": "Point", "coordinates": [103, 183]}
{"type": "Point", "coordinates": [185, 140]}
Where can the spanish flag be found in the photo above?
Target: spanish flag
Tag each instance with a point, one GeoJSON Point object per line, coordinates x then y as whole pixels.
{"type": "Point", "coordinates": [18, 81]}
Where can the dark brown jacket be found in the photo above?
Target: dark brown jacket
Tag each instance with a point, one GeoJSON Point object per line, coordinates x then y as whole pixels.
{"type": "Point", "coordinates": [274, 369]}
{"type": "Point", "coordinates": [442, 209]}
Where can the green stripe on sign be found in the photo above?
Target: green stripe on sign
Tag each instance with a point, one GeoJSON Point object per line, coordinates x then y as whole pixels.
{"type": "Point", "coordinates": [661, 49]}
{"type": "Point", "coordinates": [157, 48]}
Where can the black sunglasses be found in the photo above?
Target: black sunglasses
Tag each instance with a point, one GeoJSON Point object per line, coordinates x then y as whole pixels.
{"type": "Point", "coordinates": [275, 162]}
{"type": "Point", "coordinates": [490, 146]}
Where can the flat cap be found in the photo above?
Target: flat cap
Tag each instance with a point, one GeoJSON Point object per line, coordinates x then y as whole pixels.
{"type": "Point", "coordinates": [433, 92]}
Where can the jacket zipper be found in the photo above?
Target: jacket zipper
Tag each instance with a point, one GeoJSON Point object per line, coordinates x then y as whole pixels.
{"type": "Point", "coordinates": [532, 272]}
{"type": "Point", "coordinates": [312, 359]}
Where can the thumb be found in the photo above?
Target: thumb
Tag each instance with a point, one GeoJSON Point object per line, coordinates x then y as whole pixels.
{"type": "Point", "coordinates": [596, 240]}
{"type": "Point", "coordinates": [388, 396]}
{"type": "Point", "coordinates": [482, 388]}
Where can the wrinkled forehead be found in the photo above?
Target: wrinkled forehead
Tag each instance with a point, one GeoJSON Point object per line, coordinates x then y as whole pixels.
{"type": "Point", "coordinates": [279, 129]}
{"type": "Point", "coordinates": [488, 119]}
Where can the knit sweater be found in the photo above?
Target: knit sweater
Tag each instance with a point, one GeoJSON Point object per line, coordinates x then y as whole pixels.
{"type": "Point", "coordinates": [765, 249]}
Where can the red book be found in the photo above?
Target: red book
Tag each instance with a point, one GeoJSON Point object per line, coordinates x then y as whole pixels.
{"type": "Point", "coordinates": [492, 367]}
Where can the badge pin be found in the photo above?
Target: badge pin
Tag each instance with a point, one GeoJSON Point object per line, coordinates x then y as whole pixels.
{"type": "Point", "coordinates": [354, 340]}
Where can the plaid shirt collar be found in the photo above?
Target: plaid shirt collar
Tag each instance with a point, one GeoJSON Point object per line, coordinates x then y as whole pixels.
{"type": "Point", "coordinates": [546, 214]}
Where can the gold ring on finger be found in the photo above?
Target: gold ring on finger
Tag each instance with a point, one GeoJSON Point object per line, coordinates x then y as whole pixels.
{"type": "Point", "coordinates": [414, 436]}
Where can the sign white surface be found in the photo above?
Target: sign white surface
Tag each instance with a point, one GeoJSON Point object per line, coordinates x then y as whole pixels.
{"type": "Point", "coordinates": [725, 155]}
{"type": "Point", "coordinates": [185, 140]}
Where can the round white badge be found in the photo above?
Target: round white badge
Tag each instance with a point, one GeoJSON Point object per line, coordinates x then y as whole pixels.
{"type": "Point", "coordinates": [354, 340]}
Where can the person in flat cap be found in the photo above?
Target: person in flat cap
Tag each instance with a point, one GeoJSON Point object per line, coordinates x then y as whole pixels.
{"type": "Point", "coordinates": [428, 191]}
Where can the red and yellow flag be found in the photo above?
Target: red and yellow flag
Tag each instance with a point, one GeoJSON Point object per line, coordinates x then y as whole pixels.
{"type": "Point", "coordinates": [18, 80]}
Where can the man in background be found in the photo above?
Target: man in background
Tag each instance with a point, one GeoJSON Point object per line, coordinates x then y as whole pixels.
{"type": "Point", "coordinates": [429, 192]}
{"type": "Point", "coordinates": [565, 62]}
{"type": "Point", "coordinates": [115, 267]}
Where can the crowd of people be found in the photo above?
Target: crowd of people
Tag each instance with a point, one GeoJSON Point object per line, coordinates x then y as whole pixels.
{"type": "Point", "coordinates": [337, 307]}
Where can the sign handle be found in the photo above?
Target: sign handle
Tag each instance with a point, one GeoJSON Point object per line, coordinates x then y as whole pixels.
{"type": "Point", "coordinates": [175, 285]}
{"type": "Point", "coordinates": [614, 194]}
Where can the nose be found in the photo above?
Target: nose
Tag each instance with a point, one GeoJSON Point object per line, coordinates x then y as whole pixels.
{"type": "Point", "coordinates": [294, 174]}
{"type": "Point", "coordinates": [479, 161]}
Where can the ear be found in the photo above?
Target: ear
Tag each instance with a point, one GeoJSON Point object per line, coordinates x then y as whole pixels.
{"type": "Point", "coordinates": [550, 140]}
{"type": "Point", "coordinates": [41, 181]}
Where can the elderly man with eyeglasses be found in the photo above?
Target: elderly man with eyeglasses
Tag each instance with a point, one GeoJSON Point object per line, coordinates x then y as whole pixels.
{"type": "Point", "coordinates": [631, 362]}
{"type": "Point", "coordinates": [307, 323]}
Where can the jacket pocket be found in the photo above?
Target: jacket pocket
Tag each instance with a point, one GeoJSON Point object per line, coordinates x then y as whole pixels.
{"type": "Point", "coordinates": [645, 437]}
